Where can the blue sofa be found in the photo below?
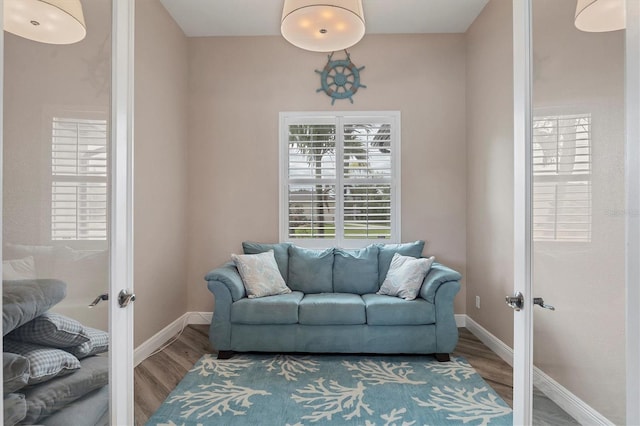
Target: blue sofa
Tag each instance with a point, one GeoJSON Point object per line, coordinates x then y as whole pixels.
{"type": "Point", "coordinates": [333, 306]}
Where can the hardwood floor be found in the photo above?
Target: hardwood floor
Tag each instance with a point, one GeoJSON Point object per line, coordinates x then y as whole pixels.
{"type": "Point", "coordinates": [156, 376]}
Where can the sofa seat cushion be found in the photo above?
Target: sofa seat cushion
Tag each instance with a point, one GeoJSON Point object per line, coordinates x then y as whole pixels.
{"type": "Point", "coordinates": [279, 309]}
{"type": "Point", "coordinates": [389, 310]}
{"type": "Point", "coordinates": [332, 309]}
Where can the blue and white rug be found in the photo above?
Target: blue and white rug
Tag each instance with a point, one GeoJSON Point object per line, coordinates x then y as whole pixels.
{"type": "Point", "coordinates": [297, 390]}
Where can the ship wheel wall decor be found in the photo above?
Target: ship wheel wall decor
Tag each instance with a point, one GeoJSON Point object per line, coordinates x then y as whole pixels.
{"type": "Point", "coordinates": [340, 79]}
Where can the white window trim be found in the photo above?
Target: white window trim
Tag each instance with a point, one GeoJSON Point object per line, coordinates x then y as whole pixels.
{"type": "Point", "coordinates": [70, 112]}
{"type": "Point", "coordinates": [558, 111]}
{"type": "Point", "coordinates": [287, 118]}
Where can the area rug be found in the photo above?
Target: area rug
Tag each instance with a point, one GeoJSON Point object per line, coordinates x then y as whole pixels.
{"type": "Point", "coordinates": [298, 390]}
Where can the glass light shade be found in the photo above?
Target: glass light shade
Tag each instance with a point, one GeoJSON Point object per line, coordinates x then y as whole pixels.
{"type": "Point", "coordinates": [322, 26]}
{"type": "Point", "coordinates": [46, 21]}
{"type": "Point", "coordinates": [600, 15]}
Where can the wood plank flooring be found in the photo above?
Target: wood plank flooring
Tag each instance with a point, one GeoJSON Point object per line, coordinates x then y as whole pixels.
{"type": "Point", "coordinates": [156, 376]}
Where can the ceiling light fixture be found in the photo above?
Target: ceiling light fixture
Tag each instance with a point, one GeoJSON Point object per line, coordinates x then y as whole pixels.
{"type": "Point", "coordinates": [46, 21]}
{"type": "Point", "coordinates": [600, 15]}
{"type": "Point", "coordinates": [323, 26]}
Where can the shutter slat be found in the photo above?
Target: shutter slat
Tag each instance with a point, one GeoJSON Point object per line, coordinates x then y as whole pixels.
{"type": "Point", "coordinates": [79, 157]}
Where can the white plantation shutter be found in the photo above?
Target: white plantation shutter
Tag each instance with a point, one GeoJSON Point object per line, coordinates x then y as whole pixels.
{"type": "Point", "coordinates": [340, 177]}
{"type": "Point", "coordinates": [562, 178]}
{"type": "Point", "coordinates": [79, 179]}
{"type": "Point", "coordinates": [367, 180]}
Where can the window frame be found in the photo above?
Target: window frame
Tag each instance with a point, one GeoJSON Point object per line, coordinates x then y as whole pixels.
{"type": "Point", "coordinates": [559, 179]}
{"type": "Point", "coordinates": [340, 118]}
{"type": "Point", "coordinates": [79, 113]}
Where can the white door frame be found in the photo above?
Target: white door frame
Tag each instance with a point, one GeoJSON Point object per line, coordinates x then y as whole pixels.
{"type": "Point", "coordinates": [523, 320]}
{"type": "Point", "coordinates": [121, 259]}
{"type": "Point", "coordinates": [632, 179]}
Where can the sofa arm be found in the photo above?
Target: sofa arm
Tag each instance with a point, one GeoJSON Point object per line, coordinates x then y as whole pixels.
{"type": "Point", "coordinates": [438, 275]}
{"type": "Point", "coordinates": [446, 328]}
{"type": "Point", "coordinates": [228, 275]}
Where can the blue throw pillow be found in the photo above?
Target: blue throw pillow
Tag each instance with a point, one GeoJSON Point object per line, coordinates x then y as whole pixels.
{"type": "Point", "coordinates": [310, 271]}
{"type": "Point", "coordinates": [280, 252]}
{"type": "Point", "coordinates": [356, 271]}
{"type": "Point", "coordinates": [387, 251]}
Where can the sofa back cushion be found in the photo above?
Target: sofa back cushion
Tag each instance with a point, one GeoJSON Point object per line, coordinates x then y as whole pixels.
{"type": "Point", "coordinates": [356, 271]}
{"type": "Point", "coordinates": [280, 252]}
{"type": "Point", "coordinates": [310, 271]}
{"type": "Point", "coordinates": [387, 251]}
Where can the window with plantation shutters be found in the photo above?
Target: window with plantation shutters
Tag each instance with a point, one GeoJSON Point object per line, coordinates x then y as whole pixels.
{"type": "Point", "coordinates": [79, 167]}
{"type": "Point", "coordinates": [340, 178]}
{"type": "Point", "coordinates": [562, 178]}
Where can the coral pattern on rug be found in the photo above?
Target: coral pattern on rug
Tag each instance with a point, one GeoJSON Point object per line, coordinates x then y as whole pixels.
{"type": "Point", "coordinates": [304, 390]}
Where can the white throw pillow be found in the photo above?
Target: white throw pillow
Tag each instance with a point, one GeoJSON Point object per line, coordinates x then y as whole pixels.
{"type": "Point", "coordinates": [405, 276]}
{"type": "Point", "coordinates": [260, 274]}
{"type": "Point", "coordinates": [19, 269]}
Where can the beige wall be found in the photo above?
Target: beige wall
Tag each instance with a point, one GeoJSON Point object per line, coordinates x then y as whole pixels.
{"type": "Point", "coordinates": [160, 191]}
{"type": "Point", "coordinates": [237, 87]}
{"type": "Point", "coordinates": [582, 343]}
{"type": "Point", "coordinates": [490, 168]}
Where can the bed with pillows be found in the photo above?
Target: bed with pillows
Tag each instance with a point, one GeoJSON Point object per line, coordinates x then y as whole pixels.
{"type": "Point", "coordinates": [53, 373]}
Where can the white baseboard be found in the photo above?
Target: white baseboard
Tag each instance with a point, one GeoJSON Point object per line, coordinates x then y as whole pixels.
{"type": "Point", "coordinates": [491, 341]}
{"type": "Point", "coordinates": [201, 318]}
{"type": "Point", "coordinates": [574, 406]}
{"type": "Point", "coordinates": [577, 408]}
{"type": "Point", "coordinates": [156, 341]}
{"type": "Point", "coordinates": [461, 320]}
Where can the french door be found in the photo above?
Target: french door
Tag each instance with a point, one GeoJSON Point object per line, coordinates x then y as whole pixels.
{"type": "Point", "coordinates": [66, 134]}
{"type": "Point", "coordinates": [577, 227]}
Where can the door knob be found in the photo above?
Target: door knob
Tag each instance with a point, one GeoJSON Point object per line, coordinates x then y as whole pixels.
{"type": "Point", "coordinates": [125, 297]}
{"type": "Point", "coordinates": [540, 302]}
{"type": "Point", "coordinates": [104, 296]}
{"type": "Point", "coordinates": [516, 302]}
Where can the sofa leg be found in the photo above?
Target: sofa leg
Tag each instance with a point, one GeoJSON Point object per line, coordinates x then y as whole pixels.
{"type": "Point", "coordinates": [225, 354]}
{"type": "Point", "coordinates": [443, 357]}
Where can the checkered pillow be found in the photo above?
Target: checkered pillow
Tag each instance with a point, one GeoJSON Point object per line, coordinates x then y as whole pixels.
{"type": "Point", "coordinates": [98, 343]}
{"type": "Point", "coordinates": [44, 363]}
{"type": "Point", "coordinates": [50, 329]}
